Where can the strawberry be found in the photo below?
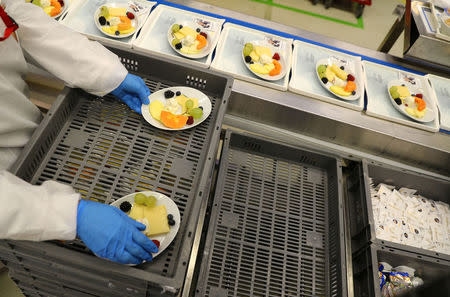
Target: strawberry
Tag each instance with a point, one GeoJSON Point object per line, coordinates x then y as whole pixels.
{"type": "Point", "coordinates": [350, 77]}
{"type": "Point", "coordinates": [204, 34]}
{"type": "Point", "coordinates": [156, 242]}
{"type": "Point", "coordinates": [276, 56]}
{"type": "Point", "coordinates": [419, 96]}
{"type": "Point", "coordinates": [130, 15]}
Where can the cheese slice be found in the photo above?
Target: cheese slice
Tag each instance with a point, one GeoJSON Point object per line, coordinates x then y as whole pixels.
{"type": "Point", "coordinates": [137, 211]}
{"type": "Point", "coordinates": [157, 220]}
{"type": "Point", "coordinates": [117, 11]}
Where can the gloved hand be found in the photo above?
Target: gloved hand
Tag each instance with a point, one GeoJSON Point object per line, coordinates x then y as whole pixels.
{"type": "Point", "coordinates": [133, 92]}
{"type": "Point", "coordinates": [111, 234]}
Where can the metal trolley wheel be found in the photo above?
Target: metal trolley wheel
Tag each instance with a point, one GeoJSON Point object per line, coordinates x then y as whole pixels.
{"type": "Point", "coordinates": [358, 9]}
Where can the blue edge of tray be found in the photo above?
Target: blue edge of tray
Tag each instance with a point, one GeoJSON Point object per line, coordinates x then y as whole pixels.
{"type": "Point", "coordinates": [286, 35]}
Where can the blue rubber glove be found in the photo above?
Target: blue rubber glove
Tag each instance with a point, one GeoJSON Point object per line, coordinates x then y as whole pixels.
{"type": "Point", "coordinates": [111, 234]}
{"type": "Point", "coordinates": [133, 92]}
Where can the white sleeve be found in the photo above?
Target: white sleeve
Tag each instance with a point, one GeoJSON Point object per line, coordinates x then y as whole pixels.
{"type": "Point", "coordinates": [66, 54]}
{"type": "Point", "coordinates": [36, 213]}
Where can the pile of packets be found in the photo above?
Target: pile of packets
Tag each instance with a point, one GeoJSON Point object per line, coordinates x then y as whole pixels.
{"type": "Point", "coordinates": [408, 218]}
{"type": "Point", "coordinates": [395, 281]}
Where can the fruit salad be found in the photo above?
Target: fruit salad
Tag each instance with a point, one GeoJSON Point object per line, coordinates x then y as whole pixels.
{"type": "Point", "coordinates": [414, 105]}
{"type": "Point", "coordinates": [177, 111]}
{"type": "Point", "coordinates": [116, 21]}
{"type": "Point", "coordinates": [261, 60]}
{"type": "Point", "coordinates": [187, 40]}
{"type": "Point", "coordinates": [145, 211]}
{"type": "Point", "coordinates": [337, 80]}
{"type": "Point", "coordinates": [51, 7]}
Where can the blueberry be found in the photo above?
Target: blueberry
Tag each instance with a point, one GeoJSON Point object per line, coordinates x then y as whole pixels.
{"type": "Point", "coordinates": [171, 223]}
{"type": "Point", "coordinates": [181, 26]}
{"type": "Point", "coordinates": [108, 24]}
{"type": "Point", "coordinates": [403, 85]}
{"type": "Point", "coordinates": [125, 206]}
{"type": "Point", "coordinates": [398, 101]}
{"type": "Point", "coordinates": [342, 67]}
{"type": "Point", "coordinates": [178, 93]}
{"type": "Point", "coordinates": [102, 20]}
{"type": "Point", "coordinates": [251, 62]}
{"type": "Point", "coordinates": [198, 30]}
{"type": "Point", "coordinates": [117, 33]}
{"type": "Point", "coordinates": [168, 94]}
{"type": "Point", "coordinates": [201, 107]}
{"type": "Point", "coordinates": [353, 93]}
{"type": "Point", "coordinates": [248, 59]}
{"type": "Point", "coordinates": [170, 217]}
{"type": "Point", "coordinates": [178, 46]}
{"type": "Point", "coordinates": [324, 80]}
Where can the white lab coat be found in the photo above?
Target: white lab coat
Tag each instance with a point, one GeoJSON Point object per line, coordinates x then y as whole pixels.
{"type": "Point", "coordinates": [48, 211]}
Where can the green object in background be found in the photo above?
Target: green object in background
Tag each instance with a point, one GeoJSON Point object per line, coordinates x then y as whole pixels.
{"type": "Point", "coordinates": [359, 23]}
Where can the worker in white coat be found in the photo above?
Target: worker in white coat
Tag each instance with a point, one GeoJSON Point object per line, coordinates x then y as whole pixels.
{"type": "Point", "coordinates": [54, 210]}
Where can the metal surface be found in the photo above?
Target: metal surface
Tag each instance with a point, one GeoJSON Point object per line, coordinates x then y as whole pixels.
{"type": "Point", "coordinates": [422, 45]}
{"type": "Point", "coordinates": [395, 31]}
{"type": "Point", "coordinates": [341, 126]}
{"type": "Point", "coordinates": [276, 226]}
{"type": "Point", "coordinates": [422, 66]}
{"type": "Point", "coordinates": [104, 150]}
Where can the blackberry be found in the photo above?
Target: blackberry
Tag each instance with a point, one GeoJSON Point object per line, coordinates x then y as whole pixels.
{"type": "Point", "coordinates": [398, 101]}
{"type": "Point", "coordinates": [125, 206]}
{"type": "Point", "coordinates": [168, 94]}
{"type": "Point", "coordinates": [324, 80]}
{"type": "Point", "coordinates": [248, 59]}
{"type": "Point", "coordinates": [178, 46]}
{"type": "Point", "coordinates": [102, 20]}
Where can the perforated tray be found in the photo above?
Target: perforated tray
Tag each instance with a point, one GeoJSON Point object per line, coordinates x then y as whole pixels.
{"type": "Point", "coordinates": [105, 151]}
{"type": "Point", "coordinates": [276, 223]}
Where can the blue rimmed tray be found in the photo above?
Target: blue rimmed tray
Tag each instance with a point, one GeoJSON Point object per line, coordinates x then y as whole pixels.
{"type": "Point", "coordinates": [153, 37]}
{"type": "Point", "coordinates": [229, 60]}
{"type": "Point", "coordinates": [80, 17]}
{"type": "Point", "coordinates": [379, 104]}
{"type": "Point", "coordinates": [304, 79]}
{"type": "Point", "coordinates": [441, 87]}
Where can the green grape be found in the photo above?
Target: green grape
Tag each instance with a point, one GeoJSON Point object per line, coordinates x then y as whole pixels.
{"type": "Point", "coordinates": [248, 48]}
{"type": "Point", "coordinates": [175, 28]}
{"type": "Point", "coordinates": [196, 113]}
{"type": "Point", "coordinates": [150, 201]}
{"type": "Point", "coordinates": [189, 104]}
{"type": "Point", "coordinates": [175, 41]}
{"type": "Point", "coordinates": [140, 198]}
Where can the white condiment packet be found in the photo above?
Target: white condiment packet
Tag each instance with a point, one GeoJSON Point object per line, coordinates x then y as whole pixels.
{"type": "Point", "coordinates": [407, 192]}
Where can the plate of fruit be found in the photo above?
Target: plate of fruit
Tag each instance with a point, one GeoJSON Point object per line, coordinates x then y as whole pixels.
{"type": "Point", "coordinates": [264, 60]}
{"type": "Point", "coordinates": [116, 20]}
{"type": "Point", "coordinates": [176, 108]}
{"type": "Point", "coordinates": [339, 78]}
{"type": "Point", "coordinates": [53, 8]}
{"type": "Point", "coordinates": [409, 100]}
{"type": "Point", "coordinates": [190, 40]}
{"type": "Point", "coordinates": [157, 212]}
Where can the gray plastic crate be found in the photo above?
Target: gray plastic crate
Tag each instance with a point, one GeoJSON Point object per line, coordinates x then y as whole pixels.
{"type": "Point", "coordinates": [362, 226]}
{"type": "Point", "coordinates": [105, 151]}
{"type": "Point", "coordinates": [276, 226]}
{"type": "Point", "coordinates": [365, 268]}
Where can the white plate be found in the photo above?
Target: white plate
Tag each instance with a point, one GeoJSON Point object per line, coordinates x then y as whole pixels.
{"type": "Point", "coordinates": [429, 115]}
{"type": "Point", "coordinates": [134, 22]}
{"type": "Point", "coordinates": [349, 68]}
{"type": "Point", "coordinates": [203, 101]}
{"type": "Point", "coordinates": [274, 50]}
{"type": "Point", "coordinates": [172, 208]}
{"type": "Point", "coordinates": [203, 53]}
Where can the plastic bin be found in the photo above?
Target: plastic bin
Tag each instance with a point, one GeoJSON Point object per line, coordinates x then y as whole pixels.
{"type": "Point", "coordinates": [365, 268]}
{"type": "Point", "coordinates": [276, 226]}
{"type": "Point", "coordinates": [105, 151]}
{"type": "Point", "coordinates": [362, 227]}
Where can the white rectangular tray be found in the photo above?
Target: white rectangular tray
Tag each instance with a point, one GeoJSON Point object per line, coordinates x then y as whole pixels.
{"type": "Point", "coordinates": [441, 88]}
{"type": "Point", "coordinates": [379, 102]}
{"type": "Point", "coordinates": [304, 79]}
{"type": "Point", "coordinates": [153, 36]}
{"type": "Point", "coordinates": [229, 60]}
{"type": "Point", "coordinates": [80, 17]}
